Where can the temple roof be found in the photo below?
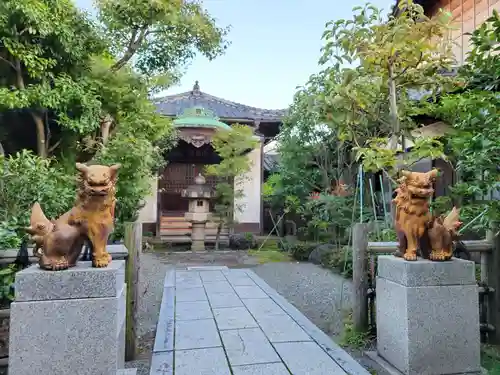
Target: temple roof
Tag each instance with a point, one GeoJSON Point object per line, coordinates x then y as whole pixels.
{"type": "Point", "coordinates": [175, 105]}
{"type": "Point", "coordinates": [199, 117]}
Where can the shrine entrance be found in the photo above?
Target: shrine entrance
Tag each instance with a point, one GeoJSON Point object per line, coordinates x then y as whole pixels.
{"type": "Point", "coordinates": [193, 153]}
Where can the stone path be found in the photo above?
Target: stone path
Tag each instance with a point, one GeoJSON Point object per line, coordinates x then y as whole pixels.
{"type": "Point", "coordinates": [220, 321]}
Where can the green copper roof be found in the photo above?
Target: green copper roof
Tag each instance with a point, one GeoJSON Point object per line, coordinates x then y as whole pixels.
{"type": "Point", "coordinates": [198, 117]}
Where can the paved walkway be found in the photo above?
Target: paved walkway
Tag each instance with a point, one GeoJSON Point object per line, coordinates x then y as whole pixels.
{"type": "Point", "coordinates": [219, 321]}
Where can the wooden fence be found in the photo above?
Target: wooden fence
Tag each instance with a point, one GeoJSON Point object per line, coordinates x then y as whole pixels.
{"type": "Point", "coordinates": [130, 252]}
{"type": "Point", "coordinates": [364, 255]}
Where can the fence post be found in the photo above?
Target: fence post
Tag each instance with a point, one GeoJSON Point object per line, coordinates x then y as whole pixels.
{"type": "Point", "coordinates": [493, 281]}
{"type": "Point", "coordinates": [360, 276]}
{"type": "Point", "coordinates": [133, 242]}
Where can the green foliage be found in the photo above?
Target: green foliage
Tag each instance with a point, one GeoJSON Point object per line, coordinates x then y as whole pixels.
{"type": "Point", "coordinates": [339, 260]}
{"type": "Point", "coordinates": [383, 232]}
{"type": "Point", "coordinates": [43, 63]}
{"type": "Point", "coordinates": [329, 217]}
{"type": "Point", "coordinates": [232, 146]}
{"type": "Point", "coordinates": [139, 142]}
{"type": "Point", "coordinates": [269, 245]}
{"type": "Point", "coordinates": [85, 99]}
{"type": "Point", "coordinates": [347, 115]}
{"type": "Point", "coordinates": [490, 359]}
{"type": "Point", "coordinates": [273, 190]}
{"type": "Point", "coordinates": [270, 253]}
{"type": "Point", "coordinates": [300, 250]}
{"type": "Point", "coordinates": [24, 180]}
{"type": "Point", "coordinates": [352, 338]}
{"type": "Point", "coordinates": [474, 114]}
{"type": "Point", "coordinates": [162, 36]}
{"type": "Point", "coordinates": [7, 278]}
{"type": "Point", "coordinates": [371, 105]}
{"type": "Point", "coordinates": [9, 237]}
{"type": "Point", "coordinates": [312, 158]}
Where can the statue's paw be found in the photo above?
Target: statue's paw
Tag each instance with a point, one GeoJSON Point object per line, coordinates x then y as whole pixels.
{"type": "Point", "coordinates": [101, 261]}
{"type": "Point", "coordinates": [54, 264]}
{"type": "Point", "coordinates": [439, 256]}
{"type": "Point", "coordinates": [397, 253]}
{"type": "Point", "coordinates": [410, 256]}
{"type": "Point", "coordinates": [60, 264]}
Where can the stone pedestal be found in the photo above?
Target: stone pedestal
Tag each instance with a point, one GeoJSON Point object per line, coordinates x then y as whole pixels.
{"type": "Point", "coordinates": [69, 322]}
{"type": "Point", "coordinates": [428, 316]}
{"type": "Point", "coordinates": [199, 196]}
{"type": "Point", "coordinates": [198, 235]}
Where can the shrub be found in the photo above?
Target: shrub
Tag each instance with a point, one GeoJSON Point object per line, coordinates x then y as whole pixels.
{"type": "Point", "coordinates": [242, 241]}
{"type": "Point", "coordinates": [340, 261]}
{"type": "Point", "coordinates": [301, 250]}
{"type": "Point", "coordinates": [24, 180]}
{"type": "Point", "coordinates": [384, 233]}
{"type": "Point", "coordinates": [9, 237]}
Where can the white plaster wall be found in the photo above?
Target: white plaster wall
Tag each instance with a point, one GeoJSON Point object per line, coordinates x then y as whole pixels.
{"type": "Point", "coordinates": [271, 148]}
{"type": "Point", "coordinates": [149, 212]}
{"type": "Point", "coordinates": [250, 183]}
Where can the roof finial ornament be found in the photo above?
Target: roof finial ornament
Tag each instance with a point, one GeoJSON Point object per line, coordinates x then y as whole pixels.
{"type": "Point", "coordinates": [196, 87]}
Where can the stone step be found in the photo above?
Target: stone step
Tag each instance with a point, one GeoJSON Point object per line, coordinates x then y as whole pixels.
{"type": "Point", "coordinates": [187, 239]}
{"type": "Point", "coordinates": [184, 224]}
{"type": "Point", "coordinates": [187, 232]}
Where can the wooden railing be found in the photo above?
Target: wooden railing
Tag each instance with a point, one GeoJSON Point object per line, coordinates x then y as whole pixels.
{"type": "Point", "coordinates": [364, 270]}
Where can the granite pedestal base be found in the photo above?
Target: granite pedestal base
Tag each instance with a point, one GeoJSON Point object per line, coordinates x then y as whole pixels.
{"type": "Point", "coordinates": [428, 316]}
{"type": "Point", "coordinates": [69, 322]}
{"type": "Point", "coordinates": [198, 235]}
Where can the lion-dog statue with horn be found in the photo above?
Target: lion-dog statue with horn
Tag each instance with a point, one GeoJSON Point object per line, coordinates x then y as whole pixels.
{"type": "Point", "coordinates": [58, 243]}
{"type": "Point", "coordinates": [416, 227]}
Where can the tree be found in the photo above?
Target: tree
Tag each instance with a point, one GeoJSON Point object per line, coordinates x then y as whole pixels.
{"type": "Point", "coordinates": [232, 146]}
{"type": "Point", "coordinates": [89, 96]}
{"type": "Point", "coordinates": [396, 59]}
{"type": "Point", "coordinates": [42, 62]}
{"type": "Point", "coordinates": [163, 35]}
{"type": "Point", "coordinates": [312, 157]}
{"type": "Point", "coordinates": [158, 38]}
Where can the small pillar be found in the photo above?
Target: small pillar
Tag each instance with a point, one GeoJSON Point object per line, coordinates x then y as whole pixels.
{"type": "Point", "coordinates": [69, 322]}
{"type": "Point", "coordinates": [199, 196]}
{"type": "Point", "coordinates": [427, 317]}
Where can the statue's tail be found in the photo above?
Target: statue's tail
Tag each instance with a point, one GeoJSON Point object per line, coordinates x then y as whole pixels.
{"type": "Point", "coordinates": [39, 224]}
{"type": "Point", "coordinates": [452, 221]}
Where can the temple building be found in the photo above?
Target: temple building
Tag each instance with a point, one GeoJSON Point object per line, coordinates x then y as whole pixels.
{"type": "Point", "coordinates": [197, 116]}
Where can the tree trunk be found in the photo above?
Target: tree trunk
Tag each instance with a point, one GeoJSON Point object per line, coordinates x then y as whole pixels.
{"type": "Point", "coordinates": [106, 122]}
{"type": "Point", "coordinates": [393, 110]}
{"type": "Point", "coordinates": [2, 151]}
{"type": "Point", "coordinates": [217, 236]}
{"type": "Point", "coordinates": [41, 141]}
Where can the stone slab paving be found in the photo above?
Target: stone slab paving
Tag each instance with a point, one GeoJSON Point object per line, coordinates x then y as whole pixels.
{"type": "Point", "coordinates": [220, 321]}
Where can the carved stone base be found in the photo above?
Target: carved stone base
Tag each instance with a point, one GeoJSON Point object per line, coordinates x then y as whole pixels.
{"type": "Point", "coordinates": [427, 316]}
{"type": "Point", "coordinates": [69, 322]}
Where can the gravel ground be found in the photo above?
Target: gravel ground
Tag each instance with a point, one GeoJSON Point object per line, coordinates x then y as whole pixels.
{"type": "Point", "coordinates": [315, 291]}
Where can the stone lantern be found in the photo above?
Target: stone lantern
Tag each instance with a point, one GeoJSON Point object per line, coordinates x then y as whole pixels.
{"type": "Point", "coordinates": [198, 214]}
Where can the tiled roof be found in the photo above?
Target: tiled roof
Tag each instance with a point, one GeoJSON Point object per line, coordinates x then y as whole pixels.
{"type": "Point", "coordinates": [174, 105]}
{"type": "Point", "coordinates": [270, 162]}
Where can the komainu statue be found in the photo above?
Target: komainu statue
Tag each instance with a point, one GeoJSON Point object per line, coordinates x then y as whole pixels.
{"type": "Point", "coordinates": [58, 243]}
{"type": "Point", "coordinates": [415, 226]}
